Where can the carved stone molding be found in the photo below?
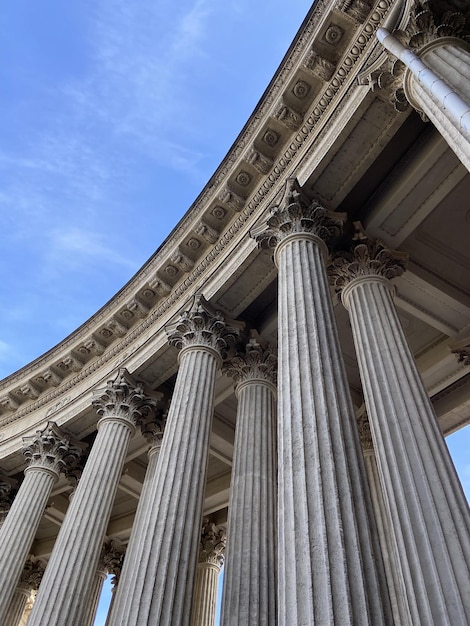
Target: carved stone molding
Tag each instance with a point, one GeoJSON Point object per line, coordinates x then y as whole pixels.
{"type": "Point", "coordinates": [366, 257]}
{"type": "Point", "coordinates": [212, 543]}
{"type": "Point", "coordinates": [289, 117]}
{"type": "Point", "coordinates": [153, 428]}
{"type": "Point", "coordinates": [52, 449]}
{"type": "Point", "coordinates": [363, 426]}
{"type": "Point", "coordinates": [357, 9]}
{"type": "Point", "coordinates": [124, 397]}
{"type": "Point", "coordinates": [259, 161]}
{"type": "Point", "coordinates": [7, 493]}
{"type": "Point", "coordinates": [256, 361]}
{"type": "Point", "coordinates": [204, 230]}
{"type": "Point", "coordinates": [32, 574]}
{"type": "Point", "coordinates": [319, 65]}
{"type": "Point", "coordinates": [179, 293]}
{"type": "Point", "coordinates": [297, 214]}
{"type": "Point", "coordinates": [202, 325]}
{"type": "Point", "coordinates": [112, 558]}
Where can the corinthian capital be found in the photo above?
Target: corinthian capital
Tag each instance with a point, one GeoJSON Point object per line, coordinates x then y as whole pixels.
{"type": "Point", "coordinates": [257, 361]}
{"type": "Point", "coordinates": [7, 491]}
{"type": "Point", "coordinates": [363, 426]}
{"type": "Point", "coordinates": [124, 398]}
{"type": "Point", "coordinates": [112, 559]}
{"type": "Point", "coordinates": [297, 214]}
{"type": "Point", "coordinates": [202, 325]}
{"type": "Point", "coordinates": [212, 544]}
{"type": "Point", "coordinates": [365, 258]}
{"type": "Point", "coordinates": [32, 574]}
{"type": "Point", "coordinates": [52, 449]}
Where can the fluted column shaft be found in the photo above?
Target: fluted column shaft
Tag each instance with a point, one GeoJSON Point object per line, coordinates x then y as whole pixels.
{"type": "Point", "coordinates": [139, 529]}
{"type": "Point", "coordinates": [69, 576]}
{"type": "Point", "coordinates": [17, 606]}
{"type": "Point", "coordinates": [47, 451]}
{"type": "Point", "coordinates": [94, 598]}
{"type": "Point", "coordinates": [326, 570]}
{"type": "Point", "coordinates": [437, 83]}
{"type": "Point", "coordinates": [428, 509]}
{"type": "Point", "coordinates": [158, 573]}
{"type": "Point", "coordinates": [205, 594]}
{"type": "Point", "coordinates": [19, 529]}
{"type": "Point", "coordinates": [156, 583]}
{"type": "Point", "coordinates": [249, 594]}
{"type": "Point", "coordinates": [211, 557]}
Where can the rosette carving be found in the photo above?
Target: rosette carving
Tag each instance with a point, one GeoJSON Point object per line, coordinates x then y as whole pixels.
{"type": "Point", "coordinates": [53, 449]}
{"type": "Point", "coordinates": [202, 325]}
{"type": "Point", "coordinates": [256, 361]}
{"type": "Point", "coordinates": [296, 213]}
{"type": "Point", "coordinates": [124, 397]}
{"type": "Point", "coordinates": [212, 544]}
{"type": "Point", "coordinates": [365, 258]}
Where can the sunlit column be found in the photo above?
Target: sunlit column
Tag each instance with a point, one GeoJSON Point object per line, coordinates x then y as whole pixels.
{"type": "Point", "coordinates": [326, 569]}
{"type": "Point", "coordinates": [153, 431]}
{"type": "Point", "coordinates": [437, 82]}
{"type": "Point", "coordinates": [157, 580]}
{"type": "Point", "coordinates": [211, 558]}
{"type": "Point", "coordinates": [69, 577]}
{"type": "Point", "coordinates": [428, 509]}
{"type": "Point", "coordinates": [48, 452]}
{"type": "Point", "coordinates": [249, 594]}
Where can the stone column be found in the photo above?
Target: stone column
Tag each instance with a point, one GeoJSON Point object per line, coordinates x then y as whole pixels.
{"type": "Point", "coordinates": [49, 452]}
{"type": "Point", "coordinates": [29, 582]}
{"type": "Point", "coordinates": [157, 579]}
{"type": "Point", "coordinates": [388, 544]}
{"type": "Point", "coordinates": [211, 558]}
{"type": "Point", "coordinates": [69, 576]}
{"type": "Point", "coordinates": [428, 509]}
{"type": "Point", "coordinates": [437, 83]}
{"type": "Point", "coordinates": [249, 595]}
{"type": "Point", "coordinates": [114, 561]}
{"type": "Point", "coordinates": [95, 593]}
{"type": "Point", "coordinates": [152, 430]}
{"type": "Point", "coordinates": [327, 573]}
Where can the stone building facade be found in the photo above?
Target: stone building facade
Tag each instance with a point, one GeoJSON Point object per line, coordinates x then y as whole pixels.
{"type": "Point", "coordinates": [271, 390]}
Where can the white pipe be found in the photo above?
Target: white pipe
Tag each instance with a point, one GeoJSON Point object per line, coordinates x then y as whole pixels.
{"type": "Point", "coordinates": [455, 107]}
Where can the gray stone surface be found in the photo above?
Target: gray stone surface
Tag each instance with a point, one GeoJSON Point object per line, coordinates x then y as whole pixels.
{"type": "Point", "coordinates": [428, 509]}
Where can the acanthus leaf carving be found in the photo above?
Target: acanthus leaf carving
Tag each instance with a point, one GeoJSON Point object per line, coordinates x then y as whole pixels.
{"type": "Point", "coordinates": [126, 398]}
{"type": "Point", "coordinates": [202, 325]}
{"type": "Point", "coordinates": [212, 543]}
{"type": "Point", "coordinates": [204, 230]}
{"type": "Point", "coordinates": [365, 257]}
{"type": "Point", "coordinates": [53, 449]}
{"type": "Point", "coordinates": [256, 361]}
{"type": "Point", "coordinates": [296, 213]}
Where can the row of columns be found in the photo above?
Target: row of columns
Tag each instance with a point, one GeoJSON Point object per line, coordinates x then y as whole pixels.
{"type": "Point", "coordinates": [316, 560]}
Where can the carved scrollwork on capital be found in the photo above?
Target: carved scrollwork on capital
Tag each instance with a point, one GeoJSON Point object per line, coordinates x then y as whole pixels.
{"type": "Point", "coordinates": [52, 449]}
{"type": "Point", "coordinates": [126, 398]}
{"type": "Point", "coordinates": [32, 574]}
{"type": "Point", "coordinates": [257, 361]}
{"type": "Point", "coordinates": [8, 489]}
{"type": "Point", "coordinates": [112, 558]}
{"type": "Point", "coordinates": [297, 214]}
{"type": "Point", "coordinates": [202, 325]}
{"type": "Point", "coordinates": [154, 428]}
{"type": "Point", "coordinates": [363, 426]}
{"type": "Point", "coordinates": [366, 257]}
{"type": "Point", "coordinates": [212, 544]}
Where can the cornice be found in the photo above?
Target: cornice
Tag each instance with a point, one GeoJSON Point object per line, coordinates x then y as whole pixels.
{"type": "Point", "coordinates": [238, 189]}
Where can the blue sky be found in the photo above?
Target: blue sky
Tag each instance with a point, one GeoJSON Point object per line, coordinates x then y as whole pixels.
{"type": "Point", "coordinates": [115, 115]}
